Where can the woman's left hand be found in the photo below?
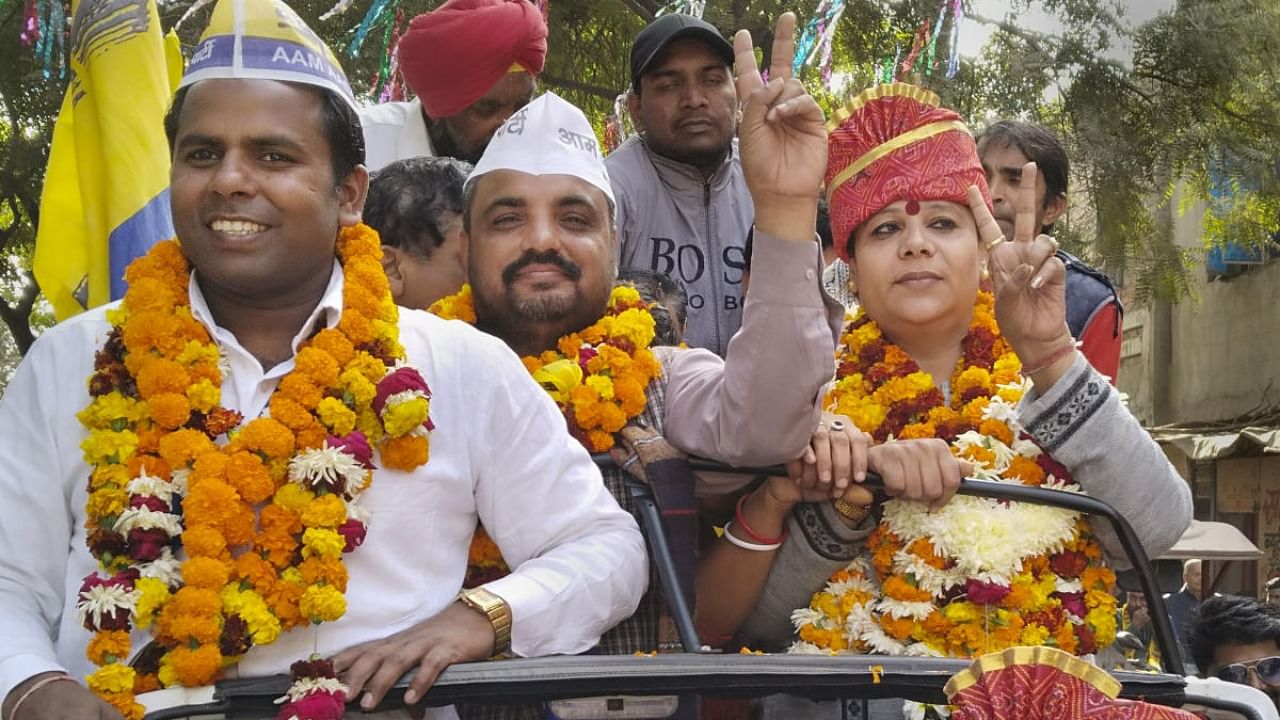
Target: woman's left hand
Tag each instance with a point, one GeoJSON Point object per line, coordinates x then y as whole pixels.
{"type": "Point", "coordinates": [1029, 279]}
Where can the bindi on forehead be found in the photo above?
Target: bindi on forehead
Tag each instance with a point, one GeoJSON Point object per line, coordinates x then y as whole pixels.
{"type": "Point", "coordinates": [913, 207]}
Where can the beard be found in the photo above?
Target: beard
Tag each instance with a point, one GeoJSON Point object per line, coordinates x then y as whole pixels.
{"type": "Point", "coordinates": [700, 157]}
{"type": "Point", "coordinates": [531, 319]}
{"type": "Point", "coordinates": [445, 142]}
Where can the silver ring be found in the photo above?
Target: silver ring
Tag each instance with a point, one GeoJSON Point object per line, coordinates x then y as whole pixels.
{"type": "Point", "coordinates": [837, 425]}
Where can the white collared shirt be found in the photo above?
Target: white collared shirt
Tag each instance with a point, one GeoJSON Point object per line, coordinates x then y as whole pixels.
{"type": "Point", "coordinates": [500, 453]}
{"type": "Point", "coordinates": [394, 131]}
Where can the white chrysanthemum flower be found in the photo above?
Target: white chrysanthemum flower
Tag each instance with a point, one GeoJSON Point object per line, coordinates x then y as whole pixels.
{"type": "Point", "coordinates": [875, 638]}
{"type": "Point", "coordinates": [327, 465]}
{"type": "Point", "coordinates": [919, 649]}
{"type": "Point", "coordinates": [306, 686]}
{"type": "Point", "coordinates": [179, 480]}
{"type": "Point", "coordinates": [1068, 586]}
{"type": "Point", "coordinates": [404, 396]}
{"type": "Point", "coordinates": [840, 588]}
{"type": "Point", "coordinates": [1026, 448]}
{"type": "Point", "coordinates": [807, 616]}
{"type": "Point", "coordinates": [902, 608]}
{"type": "Point", "coordinates": [358, 512]}
{"type": "Point", "coordinates": [1000, 409]}
{"type": "Point", "coordinates": [166, 568]}
{"type": "Point", "coordinates": [105, 600]}
{"type": "Point", "coordinates": [800, 647]}
{"type": "Point", "coordinates": [151, 486]}
{"type": "Point", "coordinates": [141, 518]}
{"type": "Point", "coordinates": [929, 578]}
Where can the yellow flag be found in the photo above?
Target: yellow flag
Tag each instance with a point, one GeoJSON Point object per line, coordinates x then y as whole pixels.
{"type": "Point", "coordinates": [106, 198]}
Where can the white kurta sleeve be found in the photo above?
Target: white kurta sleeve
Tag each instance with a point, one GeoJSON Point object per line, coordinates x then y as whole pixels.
{"type": "Point", "coordinates": [36, 521]}
{"type": "Point", "coordinates": [579, 562]}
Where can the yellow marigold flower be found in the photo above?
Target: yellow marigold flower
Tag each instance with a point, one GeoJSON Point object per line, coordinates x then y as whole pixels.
{"type": "Point", "coordinates": [958, 613]}
{"type": "Point", "coordinates": [458, 306]}
{"type": "Point", "coordinates": [322, 603]}
{"type": "Point", "coordinates": [166, 674]}
{"type": "Point", "coordinates": [339, 418]}
{"type": "Point", "coordinates": [153, 594]}
{"type": "Point", "coordinates": [106, 410]}
{"type": "Point", "coordinates": [602, 385]}
{"type": "Point", "coordinates": [326, 511]}
{"type": "Point", "coordinates": [103, 446]}
{"type": "Point", "coordinates": [195, 352]}
{"type": "Point", "coordinates": [321, 542]}
{"type": "Point", "coordinates": [401, 418]}
{"type": "Point", "coordinates": [367, 365]}
{"type": "Point", "coordinates": [1034, 634]}
{"type": "Point", "coordinates": [105, 475]}
{"type": "Point", "coordinates": [107, 502]}
{"type": "Point", "coordinates": [204, 396]}
{"type": "Point", "coordinates": [113, 678]}
{"type": "Point", "coordinates": [293, 497]}
{"type": "Point", "coordinates": [358, 386]}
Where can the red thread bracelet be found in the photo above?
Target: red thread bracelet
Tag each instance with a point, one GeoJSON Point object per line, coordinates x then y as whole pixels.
{"type": "Point", "coordinates": [1053, 357]}
{"type": "Point", "coordinates": [741, 519]}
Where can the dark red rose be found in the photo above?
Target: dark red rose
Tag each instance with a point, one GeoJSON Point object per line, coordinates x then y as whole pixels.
{"type": "Point", "coordinates": [314, 668]}
{"type": "Point", "coordinates": [354, 444]}
{"type": "Point", "coordinates": [398, 381]}
{"type": "Point", "coordinates": [1068, 564]}
{"type": "Point", "coordinates": [584, 356]}
{"type": "Point", "coordinates": [1073, 603]}
{"type": "Point", "coordinates": [316, 706]}
{"type": "Point", "coordinates": [984, 593]}
{"type": "Point", "coordinates": [235, 638]}
{"type": "Point", "coordinates": [150, 502]}
{"type": "Point", "coordinates": [353, 531]}
{"type": "Point", "coordinates": [1088, 643]}
{"type": "Point", "coordinates": [145, 545]}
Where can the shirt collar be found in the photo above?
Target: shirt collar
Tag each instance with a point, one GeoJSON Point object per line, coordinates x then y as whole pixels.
{"type": "Point", "coordinates": [327, 311]}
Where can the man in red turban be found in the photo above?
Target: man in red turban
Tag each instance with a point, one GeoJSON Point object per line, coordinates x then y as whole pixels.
{"type": "Point", "coordinates": [471, 63]}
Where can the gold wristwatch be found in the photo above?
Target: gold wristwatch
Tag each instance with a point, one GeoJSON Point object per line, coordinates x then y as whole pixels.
{"type": "Point", "coordinates": [494, 608]}
{"type": "Point", "coordinates": [855, 514]}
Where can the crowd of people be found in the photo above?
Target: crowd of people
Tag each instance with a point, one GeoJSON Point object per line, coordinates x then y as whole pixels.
{"type": "Point", "coordinates": [349, 412]}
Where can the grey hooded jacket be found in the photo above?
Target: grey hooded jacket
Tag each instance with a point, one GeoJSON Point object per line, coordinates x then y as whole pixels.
{"type": "Point", "coordinates": [673, 221]}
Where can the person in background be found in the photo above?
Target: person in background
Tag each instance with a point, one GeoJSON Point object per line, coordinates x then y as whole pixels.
{"type": "Point", "coordinates": [683, 203]}
{"type": "Point", "coordinates": [1094, 312]}
{"type": "Point", "coordinates": [1182, 605]}
{"type": "Point", "coordinates": [471, 63]}
{"type": "Point", "coordinates": [1237, 639]}
{"type": "Point", "coordinates": [416, 207]}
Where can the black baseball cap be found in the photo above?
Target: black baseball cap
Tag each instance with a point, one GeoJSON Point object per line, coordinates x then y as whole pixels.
{"type": "Point", "coordinates": [655, 37]}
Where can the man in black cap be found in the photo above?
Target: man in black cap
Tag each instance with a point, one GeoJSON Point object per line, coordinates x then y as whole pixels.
{"type": "Point", "coordinates": [682, 205]}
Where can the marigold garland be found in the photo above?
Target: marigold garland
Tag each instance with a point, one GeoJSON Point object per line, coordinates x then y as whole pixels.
{"type": "Point", "coordinates": [161, 482]}
{"type": "Point", "coordinates": [979, 575]}
{"type": "Point", "coordinates": [596, 376]}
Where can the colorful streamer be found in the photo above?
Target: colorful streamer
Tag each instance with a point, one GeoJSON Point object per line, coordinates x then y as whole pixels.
{"type": "Point", "coordinates": [684, 7]}
{"type": "Point", "coordinates": [953, 57]}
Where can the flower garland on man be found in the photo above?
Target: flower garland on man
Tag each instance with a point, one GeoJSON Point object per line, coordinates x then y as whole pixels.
{"type": "Point", "coordinates": [932, 356]}
{"type": "Point", "coordinates": [254, 401]}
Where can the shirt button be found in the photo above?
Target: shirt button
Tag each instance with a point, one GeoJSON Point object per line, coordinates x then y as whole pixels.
{"type": "Point", "coordinates": [808, 274]}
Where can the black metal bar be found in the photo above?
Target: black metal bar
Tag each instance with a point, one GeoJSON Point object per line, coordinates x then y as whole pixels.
{"type": "Point", "coordinates": [1170, 654]}
{"type": "Point", "coordinates": [660, 554]}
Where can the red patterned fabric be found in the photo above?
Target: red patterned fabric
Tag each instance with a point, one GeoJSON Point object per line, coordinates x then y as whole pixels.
{"type": "Point", "coordinates": [453, 55]}
{"type": "Point", "coordinates": [1042, 691]}
{"type": "Point", "coordinates": [940, 167]}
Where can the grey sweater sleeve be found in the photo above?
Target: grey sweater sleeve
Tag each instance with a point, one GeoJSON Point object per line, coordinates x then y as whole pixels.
{"type": "Point", "coordinates": [1083, 425]}
{"type": "Point", "coordinates": [818, 544]}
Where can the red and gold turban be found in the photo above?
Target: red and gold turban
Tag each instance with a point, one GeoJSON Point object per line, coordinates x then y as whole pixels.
{"type": "Point", "coordinates": [895, 142]}
{"type": "Point", "coordinates": [453, 55]}
{"type": "Point", "coordinates": [1044, 683]}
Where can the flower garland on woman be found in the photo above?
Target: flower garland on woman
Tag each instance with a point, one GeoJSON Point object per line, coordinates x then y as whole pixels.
{"type": "Point", "coordinates": [265, 516]}
{"type": "Point", "coordinates": [977, 575]}
{"type": "Point", "coordinates": [596, 376]}
{"type": "Point", "coordinates": [925, 361]}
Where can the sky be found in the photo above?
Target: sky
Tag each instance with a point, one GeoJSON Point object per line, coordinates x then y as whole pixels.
{"type": "Point", "coordinates": [973, 36]}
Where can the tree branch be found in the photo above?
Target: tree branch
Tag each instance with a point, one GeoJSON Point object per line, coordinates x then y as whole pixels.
{"type": "Point", "coordinates": [640, 9]}
{"type": "Point", "coordinates": [599, 91]}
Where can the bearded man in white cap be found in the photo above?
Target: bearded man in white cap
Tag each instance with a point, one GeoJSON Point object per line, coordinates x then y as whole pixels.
{"type": "Point", "coordinates": [276, 462]}
{"type": "Point", "coordinates": [543, 258]}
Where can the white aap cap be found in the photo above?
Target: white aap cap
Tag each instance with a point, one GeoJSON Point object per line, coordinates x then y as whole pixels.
{"type": "Point", "coordinates": [549, 136]}
{"type": "Point", "coordinates": [264, 39]}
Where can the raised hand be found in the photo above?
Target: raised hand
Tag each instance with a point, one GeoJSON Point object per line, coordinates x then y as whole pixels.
{"type": "Point", "coordinates": [1029, 280]}
{"type": "Point", "coordinates": [782, 137]}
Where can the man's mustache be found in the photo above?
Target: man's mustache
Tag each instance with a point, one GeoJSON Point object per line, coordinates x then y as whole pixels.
{"type": "Point", "coordinates": [533, 257]}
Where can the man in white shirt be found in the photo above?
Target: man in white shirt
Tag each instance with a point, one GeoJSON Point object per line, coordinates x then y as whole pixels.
{"type": "Point", "coordinates": [258, 207]}
{"type": "Point", "coordinates": [471, 63]}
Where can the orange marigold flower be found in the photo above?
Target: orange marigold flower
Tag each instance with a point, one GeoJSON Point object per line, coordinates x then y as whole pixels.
{"type": "Point", "coordinates": [254, 569]}
{"type": "Point", "coordinates": [300, 389]}
{"type": "Point", "coordinates": [124, 703]}
{"type": "Point", "coordinates": [1026, 470]}
{"type": "Point", "coordinates": [319, 366]}
{"type": "Point", "coordinates": [275, 518]}
{"type": "Point", "coordinates": [180, 447]}
{"type": "Point", "coordinates": [998, 430]}
{"type": "Point", "coordinates": [205, 572]}
{"type": "Point", "coordinates": [211, 503]}
{"type": "Point", "coordinates": [169, 410]}
{"type": "Point", "coordinates": [289, 412]}
{"type": "Point", "coordinates": [283, 599]}
{"type": "Point", "coordinates": [899, 628]}
{"type": "Point", "coordinates": [357, 327]}
{"type": "Point", "coordinates": [204, 541]}
{"type": "Point", "coordinates": [317, 569]}
{"type": "Point", "coordinates": [210, 466]}
{"type": "Point", "coordinates": [247, 474]}
{"type": "Point", "coordinates": [158, 375]}
{"type": "Point", "coordinates": [896, 587]}
{"type": "Point", "coordinates": [404, 453]}
{"type": "Point", "coordinates": [108, 646]}
{"type": "Point", "coordinates": [924, 550]}
{"type": "Point", "coordinates": [335, 344]}
{"type": "Point", "coordinates": [281, 548]}
{"type": "Point", "coordinates": [360, 300]}
{"type": "Point", "coordinates": [312, 436]}
{"type": "Point", "coordinates": [150, 294]}
{"type": "Point", "coordinates": [267, 436]}
{"type": "Point", "coordinates": [198, 666]}
{"type": "Point", "coordinates": [153, 465]}
{"type": "Point", "coordinates": [145, 682]}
